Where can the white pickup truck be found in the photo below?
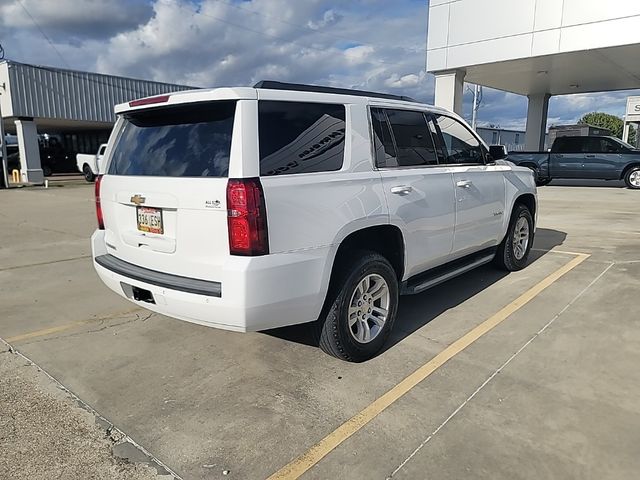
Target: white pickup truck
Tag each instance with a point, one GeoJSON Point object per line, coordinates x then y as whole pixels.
{"type": "Point", "coordinates": [254, 208]}
{"type": "Point", "coordinates": [89, 164]}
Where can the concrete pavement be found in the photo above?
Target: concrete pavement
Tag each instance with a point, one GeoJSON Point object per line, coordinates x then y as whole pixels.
{"type": "Point", "coordinates": [206, 401]}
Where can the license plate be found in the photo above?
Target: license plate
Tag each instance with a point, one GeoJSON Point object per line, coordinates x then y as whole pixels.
{"type": "Point", "coordinates": [150, 219]}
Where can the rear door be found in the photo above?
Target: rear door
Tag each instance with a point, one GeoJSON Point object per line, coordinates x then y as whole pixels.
{"type": "Point", "coordinates": [479, 187]}
{"type": "Point", "coordinates": [567, 157]}
{"type": "Point", "coordinates": [164, 193]}
{"type": "Point", "coordinates": [418, 190]}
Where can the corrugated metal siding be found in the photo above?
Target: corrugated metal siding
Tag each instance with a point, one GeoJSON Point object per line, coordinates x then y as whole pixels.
{"type": "Point", "coordinates": [66, 94]}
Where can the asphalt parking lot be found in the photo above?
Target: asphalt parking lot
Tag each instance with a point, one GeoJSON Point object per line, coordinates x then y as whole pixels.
{"type": "Point", "coordinates": [528, 375]}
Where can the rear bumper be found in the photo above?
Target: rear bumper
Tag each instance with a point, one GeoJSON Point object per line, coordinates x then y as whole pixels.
{"type": "Point", "coordinates": [254, 293]}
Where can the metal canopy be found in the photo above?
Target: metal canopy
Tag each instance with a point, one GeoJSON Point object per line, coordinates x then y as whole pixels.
{"type": "Point", "coordinates": [597, 70]}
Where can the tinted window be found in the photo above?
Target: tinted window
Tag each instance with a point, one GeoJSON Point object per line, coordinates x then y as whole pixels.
{"type": "Point", "coordinates": [412, 137]}
{"type": "Point", "coordinates": [461, 145]}
{"type": "Point", "coordinates": [609, 146]}
{"type": "Point", "coordinates": [300, 137]}
{"type": "Point", "coordinates": [385, 150]}
{"type": "Point", "coordinates": [592, 144]}
{"type": "Point", "coordinates": [183, 141]}
{"type": "Point", "coordinates": [568, 145]}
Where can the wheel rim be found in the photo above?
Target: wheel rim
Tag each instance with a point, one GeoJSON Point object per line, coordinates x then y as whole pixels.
{"type": "Point", "coordinates": [369, 308]}
{"type": "Point", "coordinates": [634, 178]}
{"type": "Point", "coordinates": [520, 238]}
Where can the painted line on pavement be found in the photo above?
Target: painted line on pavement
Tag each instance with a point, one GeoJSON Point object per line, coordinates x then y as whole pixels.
{"type": "Point", "coordinates": [497, 371]}
{"type": "Point", "coordinates": [311, 457]}
{"type": "Point", "coordinates": [67, 326]}
{"type": "Point", "coordinates": [40, 264]}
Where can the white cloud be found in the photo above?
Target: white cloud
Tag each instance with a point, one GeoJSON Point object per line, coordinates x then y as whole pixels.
{"type": "Point", "coordinates": [404, 81]}
{"type": "Point", "coordinates": [359, 53]}
{"type": "Point", "coordinates": [368, 44]}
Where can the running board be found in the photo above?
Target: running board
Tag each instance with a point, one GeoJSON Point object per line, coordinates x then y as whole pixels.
{"type": "Point", "coordinates": [431, 278]}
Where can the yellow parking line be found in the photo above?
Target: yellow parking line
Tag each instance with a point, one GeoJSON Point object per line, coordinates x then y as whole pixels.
{"type": "Point", "coordinates": [563, 252]}
{"type": "Point", "coordinates": [316, 453]}
{"type": "Point", "coordinates": [67, 326]}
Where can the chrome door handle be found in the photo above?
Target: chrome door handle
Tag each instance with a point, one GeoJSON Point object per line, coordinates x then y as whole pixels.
{"type": "Point", "coordinates": [464, 184]}
{"type": "Point", "coordinates": [401, 189]}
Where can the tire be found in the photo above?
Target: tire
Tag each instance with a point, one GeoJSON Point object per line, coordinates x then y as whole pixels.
{"type": "Point", "coordinates": [511, 255]}
{"type": "Point", "coordinates": [88, 174]}
{"type": "Point", "coordinates": [335, 336]}
{"type": "Point", "coordinates": [632, 178]}
{"type": "Point", "coordinates": [540, 182]}
{"type": "Point", "coordinates": [46, 171]}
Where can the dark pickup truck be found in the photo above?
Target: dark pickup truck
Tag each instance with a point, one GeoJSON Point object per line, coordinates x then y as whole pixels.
{"type": "Point", "coordinates": [606, 158]}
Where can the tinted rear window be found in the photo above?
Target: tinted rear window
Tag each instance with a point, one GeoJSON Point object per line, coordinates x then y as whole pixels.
{"type": "Point", "coordinates": [184, 141]}
{"type": "Point", "coordinates": [298, 137]}
{"type": "Point", "coordinates": [413, 138]}
{"type": "Point", "coordinates": [568, 145]}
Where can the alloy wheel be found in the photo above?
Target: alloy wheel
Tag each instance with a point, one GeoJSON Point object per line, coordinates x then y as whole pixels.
{"type": "Point", "coordinates": [520, 238]}
{"type": "Point", "coordinates": [369, 308]}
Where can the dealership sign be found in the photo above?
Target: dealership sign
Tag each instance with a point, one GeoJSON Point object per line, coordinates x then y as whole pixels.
{"type": "Point", "coordinates": [633, 109]}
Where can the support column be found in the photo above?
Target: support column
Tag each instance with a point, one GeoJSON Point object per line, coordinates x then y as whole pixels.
{"type": "Point", "coordinates": [536, 121]}
{"type": "Point", "coordinates": [625, 131]}
{"type": "Point", "coordinates": [30, 167]}
{"type": "Point", "coordinates": [449, 90]}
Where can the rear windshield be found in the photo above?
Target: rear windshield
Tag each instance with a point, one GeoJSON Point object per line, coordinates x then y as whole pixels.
{"type": "Point", "coordinates": [183, 141]}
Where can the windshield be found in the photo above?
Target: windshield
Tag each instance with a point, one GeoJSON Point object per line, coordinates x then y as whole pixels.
{"type": "Point", "coordinates": [192, 140]}
{"type": "Point", "coordinates": [624, 144]}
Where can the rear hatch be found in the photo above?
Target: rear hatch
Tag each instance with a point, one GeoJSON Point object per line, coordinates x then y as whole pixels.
{"type": "Point", "coordinates": [164, 193]}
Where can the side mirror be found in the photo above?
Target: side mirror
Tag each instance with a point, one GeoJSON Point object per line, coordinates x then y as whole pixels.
{"type": "Point", "coordinates": [498, 152]}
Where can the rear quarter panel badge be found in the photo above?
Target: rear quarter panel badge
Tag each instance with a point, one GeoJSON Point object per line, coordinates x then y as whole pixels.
{"type": "Point", "coordinates": [212, 204]}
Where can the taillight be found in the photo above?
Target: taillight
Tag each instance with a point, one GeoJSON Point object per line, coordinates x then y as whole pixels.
{"type": "Point", "coordinates": [247, 217]}
{"type": "Point", "coordinates": [98, 204]}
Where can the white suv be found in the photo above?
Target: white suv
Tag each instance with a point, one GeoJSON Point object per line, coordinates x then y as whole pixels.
{"type": "Point", "coordinates": [254, 208]}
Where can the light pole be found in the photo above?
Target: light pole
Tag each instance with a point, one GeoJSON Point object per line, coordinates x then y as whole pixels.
{"type": "Point", "coordinates": [477, 99]}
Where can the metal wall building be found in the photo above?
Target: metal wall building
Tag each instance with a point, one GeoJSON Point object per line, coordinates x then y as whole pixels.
{"type": "Point", "coordinates": [76, 105]}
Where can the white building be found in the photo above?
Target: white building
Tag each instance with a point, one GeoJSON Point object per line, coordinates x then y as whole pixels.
{"type": "Point", "coordinates": [536, 48]}
{"type": "Point", "coordinates": [512, 139]}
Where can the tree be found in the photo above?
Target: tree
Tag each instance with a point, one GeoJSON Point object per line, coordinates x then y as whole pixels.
{"type": "Point", "coordinates": [604, 120]}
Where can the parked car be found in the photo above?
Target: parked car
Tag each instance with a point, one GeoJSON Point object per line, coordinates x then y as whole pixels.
{"type": "Point", "coordinates": [594, 157]}
{"type": "Point", "coordinates": [13, 158]}
{"type": "Point", "coordinates": [52, 160]}
{"type": "Point", "coordinates": [254, 208]}
{"type": "Point", "coordinates": [89, 164]}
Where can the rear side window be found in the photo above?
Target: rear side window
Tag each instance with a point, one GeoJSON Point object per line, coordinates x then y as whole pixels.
{"type": "Point", "coordinates": [385, 150]}
{"type": "Point", "coordinates": [297, 137]}
{"type": "Point", "coordinates": [192, 140]}
{"type": "Point", "coordinates": [413, 138]}
{"type": "Point", "coordinates": [568, 145]}
{"type": "Point", "coordinates": [460, 144]}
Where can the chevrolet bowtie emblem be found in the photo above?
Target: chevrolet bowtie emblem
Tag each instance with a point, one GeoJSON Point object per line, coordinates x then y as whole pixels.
{"type": "Point", "coordinates": [138, 199]}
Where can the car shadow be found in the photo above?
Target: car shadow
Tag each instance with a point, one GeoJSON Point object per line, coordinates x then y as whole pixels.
{"type": "Point", "coordinates": [587, 183]}
{"type": "Point", "coordinates": [416, 311]}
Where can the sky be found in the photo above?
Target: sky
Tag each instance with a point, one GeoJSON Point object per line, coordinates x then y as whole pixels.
{"type": "Point", "coordinates": [369, 44]}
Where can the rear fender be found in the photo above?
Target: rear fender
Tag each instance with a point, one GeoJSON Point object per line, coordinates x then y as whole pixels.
{"type": "Point", "coordinates": [344, 232]}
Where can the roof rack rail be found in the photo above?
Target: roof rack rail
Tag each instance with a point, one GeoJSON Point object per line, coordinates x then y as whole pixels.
{"type": "Point", "coordinates": [299, 87]}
